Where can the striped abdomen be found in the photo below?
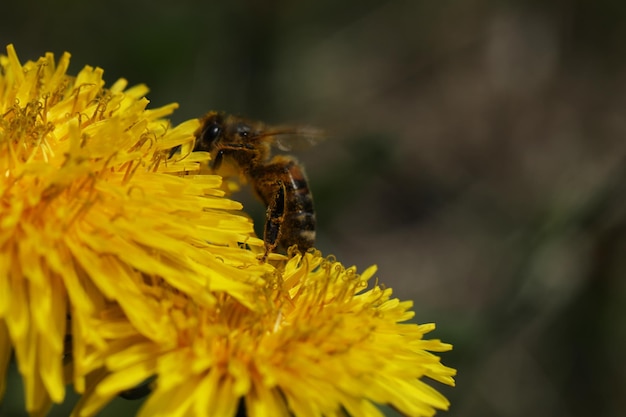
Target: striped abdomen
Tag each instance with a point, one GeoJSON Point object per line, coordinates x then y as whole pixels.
{"type": "Point", "coordinates": [290, 216]}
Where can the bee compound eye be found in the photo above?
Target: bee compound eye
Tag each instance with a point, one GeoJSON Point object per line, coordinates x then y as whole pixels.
{"type": "Point", "coordinates": [212, 132]}
{"type": "Point", "coordinates": [206, 140]}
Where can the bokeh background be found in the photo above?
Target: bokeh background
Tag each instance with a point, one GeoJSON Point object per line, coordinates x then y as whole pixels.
{"type": "Point", "coordinates": [476, 154]}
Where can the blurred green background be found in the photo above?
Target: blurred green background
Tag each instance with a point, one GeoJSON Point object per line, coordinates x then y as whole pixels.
{"type": "Point", "coordinates": [476, 155]}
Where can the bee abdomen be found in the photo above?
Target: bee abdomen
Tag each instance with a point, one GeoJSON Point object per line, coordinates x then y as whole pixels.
{"type": "Point", "coordinates": [302, 227]}
{"type": "Point", "coordinates": [283, 186]}
{"type": "Point", "coordinates": [299, 223]}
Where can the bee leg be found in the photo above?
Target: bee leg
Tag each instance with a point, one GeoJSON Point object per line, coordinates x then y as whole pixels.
{"type": "Point", "coordinates": [274, 217]}
{"type": "Point", "coordinates": [217, 162]}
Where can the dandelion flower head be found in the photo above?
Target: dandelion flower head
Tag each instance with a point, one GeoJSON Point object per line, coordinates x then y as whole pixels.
{"type": "Point", "coordinates": [90, 208]}
{"type": "Point", "coordinates": [324, 344]}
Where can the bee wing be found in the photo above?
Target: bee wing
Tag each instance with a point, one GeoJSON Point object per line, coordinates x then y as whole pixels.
{"type": "Point", "coordinates": [296, 138]}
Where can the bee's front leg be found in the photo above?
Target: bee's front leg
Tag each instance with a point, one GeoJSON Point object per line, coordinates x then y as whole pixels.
{"type": "Point", "coordinates": [274, 217]}
{"type": "Point", "coordinates": [217, 162]}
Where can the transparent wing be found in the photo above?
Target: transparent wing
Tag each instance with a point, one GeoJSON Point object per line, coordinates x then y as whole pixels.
{"type": "Point", "coordinates": [289, 138]}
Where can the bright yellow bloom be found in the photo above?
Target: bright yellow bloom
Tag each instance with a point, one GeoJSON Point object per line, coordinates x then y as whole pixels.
{"type": "Point", "coordinates": [89, 210]}
{"type": "Point", "coordinates": [324, 343]}
{"type": "Point", "coordinates": [141, 260]}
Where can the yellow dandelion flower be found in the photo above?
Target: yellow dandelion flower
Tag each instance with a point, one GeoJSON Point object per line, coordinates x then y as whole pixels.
{"type": "Point", "coordinates": [91, 208]}
{"type": "Point", "coordinates": [323, 345]}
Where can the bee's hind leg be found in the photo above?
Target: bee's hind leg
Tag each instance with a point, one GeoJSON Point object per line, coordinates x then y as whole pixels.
{"type": "Point", "coordinates": [274, 217]}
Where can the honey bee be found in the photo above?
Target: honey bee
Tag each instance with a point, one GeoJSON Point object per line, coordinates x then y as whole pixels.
{"type": "Point", "coordinates": [279, 181]}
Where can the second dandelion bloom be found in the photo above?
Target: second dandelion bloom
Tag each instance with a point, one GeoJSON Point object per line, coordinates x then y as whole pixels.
{"type": "Point", "coordinates": [322, 342]}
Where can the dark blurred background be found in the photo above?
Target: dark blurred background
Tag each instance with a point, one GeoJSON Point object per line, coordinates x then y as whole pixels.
{"type": "Point", "coordinates": [476, 155]}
